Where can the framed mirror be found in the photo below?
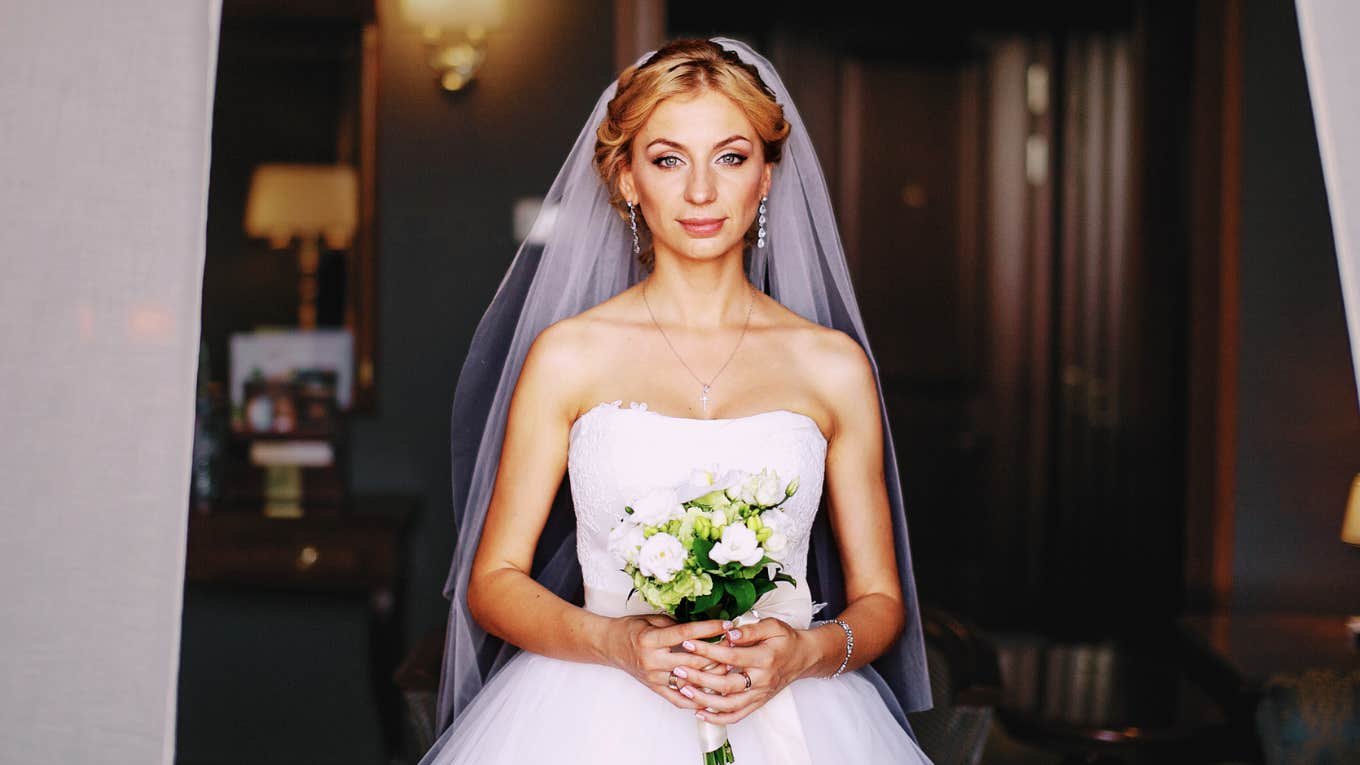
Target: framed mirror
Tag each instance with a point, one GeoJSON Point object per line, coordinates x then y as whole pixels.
{"type": "Point", "coordinates": [296, 91]}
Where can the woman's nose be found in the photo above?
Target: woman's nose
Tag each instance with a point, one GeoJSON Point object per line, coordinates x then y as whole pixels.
{"type": "Point", "coordinates": [700, 190]}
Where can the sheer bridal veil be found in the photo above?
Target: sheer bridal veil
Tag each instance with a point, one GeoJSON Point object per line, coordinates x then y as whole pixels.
{"type": "Point", "coordinates": [578, 254]}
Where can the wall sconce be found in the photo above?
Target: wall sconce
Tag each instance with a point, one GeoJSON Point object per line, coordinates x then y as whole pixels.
{"type": "Point", "coordinates": [455, 36]}
{"type": "Point", "coordinates": [311, 203]}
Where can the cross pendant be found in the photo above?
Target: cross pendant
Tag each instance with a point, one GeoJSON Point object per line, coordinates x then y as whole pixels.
{"type": "Point", "coordinates": [703, 397]}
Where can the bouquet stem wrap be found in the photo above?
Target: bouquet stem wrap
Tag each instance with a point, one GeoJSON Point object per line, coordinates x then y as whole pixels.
{"type": "Point", "coordinates": [777, 721]}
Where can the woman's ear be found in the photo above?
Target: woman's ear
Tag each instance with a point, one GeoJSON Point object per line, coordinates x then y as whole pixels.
{"type": "Point", "coordinates": [626, 186]}
{"type": "Point", "coordinates": [765, 179]}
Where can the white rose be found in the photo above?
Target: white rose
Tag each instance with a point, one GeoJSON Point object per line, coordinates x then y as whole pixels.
{"type": "Point", "coordinates": [718, 517]}
{"type": "Point", "coordinates": [703, 482]}
{"type": "Point", "coordinates": [656, 507]}
{"type": "Point", "coordinates": [736, 484]}
{"type": "Point", "coordinates": [624, 541]}
{"type": "Point", "coordinates": [738, 544]}
{"type": "Point", "coordinates": [776, 545]}
{"type": "Point", "coordinates": [776, 519]}
{"type": "Point", "coordinates": [768, 489]}
{"type": "Point", "coordinates": [745, 489]}
{"type": "Point", "coordinates": [661, 557]}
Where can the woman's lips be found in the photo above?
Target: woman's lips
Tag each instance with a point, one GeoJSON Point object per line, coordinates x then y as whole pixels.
{"type": "Point", "coordinates": [702, 226]}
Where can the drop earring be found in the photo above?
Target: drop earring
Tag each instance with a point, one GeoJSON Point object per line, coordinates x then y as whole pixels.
{"type": "Point", "coordinates": [760, 234]}
{"type": "Point", "coordinates": [632, 221]}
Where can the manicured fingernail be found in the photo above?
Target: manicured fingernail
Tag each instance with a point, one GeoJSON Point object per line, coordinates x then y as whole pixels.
{"type": "Point", "coordinates": [688, 644]}
{"type": "Point", "coordinates": [700, 715]}
{"type": "Point", "coordinates": [689, 692]}
{"type": "Point", "coordinates": [727, 625]}
{"type": "Point", "coordinates": [680, 672]}
{"type": "Point", "coordinates": [735, 634]}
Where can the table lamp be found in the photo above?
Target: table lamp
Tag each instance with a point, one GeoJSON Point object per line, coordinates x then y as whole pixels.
{"type": "Point", "coordinates": [311, 203]}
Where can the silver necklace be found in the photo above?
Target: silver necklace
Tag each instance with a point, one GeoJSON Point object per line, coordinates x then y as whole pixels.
{"type": "Point", "coordinates": [703, 395]}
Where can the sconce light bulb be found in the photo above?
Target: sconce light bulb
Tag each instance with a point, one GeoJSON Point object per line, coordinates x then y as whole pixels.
{"type": "Point", "coordinates": [452, 81]}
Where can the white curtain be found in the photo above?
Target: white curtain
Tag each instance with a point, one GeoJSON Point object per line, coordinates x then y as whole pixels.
{"type": "Point", "coordinates": [105, 110]}
{"type": "Point", "coordinates": [1328, 30]}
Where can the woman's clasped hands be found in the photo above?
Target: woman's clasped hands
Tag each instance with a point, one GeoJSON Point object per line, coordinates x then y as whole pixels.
{"type": "Point", "coordinates": [723, 681]}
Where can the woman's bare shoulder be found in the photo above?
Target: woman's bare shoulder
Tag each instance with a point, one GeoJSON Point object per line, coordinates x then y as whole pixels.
{"type": "Point", "coordinates": [819, 346]}
{"type": "Point", "coordinates": [569, 349]}
{"type": "Point", "coordinates": [570, 336]}
{"type": "Point", "coordinates": [837, 369]}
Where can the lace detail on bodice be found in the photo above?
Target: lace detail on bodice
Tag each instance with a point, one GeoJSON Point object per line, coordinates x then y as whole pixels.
{"type": "Point", "coordinates": [616, 455]}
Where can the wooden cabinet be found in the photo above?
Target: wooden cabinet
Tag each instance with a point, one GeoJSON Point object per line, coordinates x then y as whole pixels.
{"type": "Point", "coordinates": [354, 550]}
{"type": "Point", "coordinates": [259, 593]}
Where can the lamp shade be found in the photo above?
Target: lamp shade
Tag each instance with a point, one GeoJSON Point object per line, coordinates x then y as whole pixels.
{"type": "Point", "coordinates": [452, 13]}
{"type": "Point", "coordinates": [1350, 527]}
{"type": "Point", "coordinates": [307, 201]}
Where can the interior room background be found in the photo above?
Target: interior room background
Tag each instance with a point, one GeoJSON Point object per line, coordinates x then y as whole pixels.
{"type": "Point", "coordinates": [1091, 440]}
{"type": "Point", "coordinates": [1092, 248]}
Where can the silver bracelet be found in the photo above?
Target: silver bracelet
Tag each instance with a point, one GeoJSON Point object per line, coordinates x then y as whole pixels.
{"type": "Point", "coordinates": [849, 644]}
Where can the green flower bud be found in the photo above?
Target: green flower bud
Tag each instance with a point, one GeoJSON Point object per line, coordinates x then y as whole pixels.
{"type": "Point", "coordinates": [753, 523]}
{"type": "Point", "coordinates": [764, 534]}
{"type": "Point", "coordinates": [792, 487]}
{"type": "Point", "coordinates": [714, 499]}
{"type": "Point", "coordinates": [702, 526]}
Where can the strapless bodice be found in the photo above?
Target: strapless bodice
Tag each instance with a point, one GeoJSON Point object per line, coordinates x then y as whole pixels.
{"type": "Point", "coordinates": [617, 454]}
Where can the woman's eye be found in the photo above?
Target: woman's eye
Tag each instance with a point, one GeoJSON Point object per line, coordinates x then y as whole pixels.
{"type": "Point", "coordinates": [666, 161]}
{"type": "Point", "coordinates": [737, 159]}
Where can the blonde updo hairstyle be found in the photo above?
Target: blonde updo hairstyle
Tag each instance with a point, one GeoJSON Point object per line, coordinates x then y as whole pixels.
{"type": "Point", "coordinates": [681, 68]}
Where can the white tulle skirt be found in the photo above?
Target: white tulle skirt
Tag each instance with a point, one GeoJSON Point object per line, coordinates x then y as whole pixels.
{"type": "Point", "coordinates": [543, 710]}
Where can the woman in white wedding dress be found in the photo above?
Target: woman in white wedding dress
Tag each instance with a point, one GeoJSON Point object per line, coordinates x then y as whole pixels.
{"type": "Point", "coordinates": [692, 367]}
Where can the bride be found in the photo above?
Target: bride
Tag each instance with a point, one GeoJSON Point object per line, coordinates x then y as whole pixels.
{"type": "Point", "coordinates": [686, 262]}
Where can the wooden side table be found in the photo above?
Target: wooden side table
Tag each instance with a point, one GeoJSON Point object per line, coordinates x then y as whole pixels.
{"type": "Point", "coordinates": [359, 551]}
{"type": "Point", "coordinates": [1233, 654]}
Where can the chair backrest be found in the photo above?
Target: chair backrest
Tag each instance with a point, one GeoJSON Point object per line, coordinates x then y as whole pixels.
{"type": "Point", "coordinates": [965, 682]}
{"type": "Point", "coordinates": [1310, 717]}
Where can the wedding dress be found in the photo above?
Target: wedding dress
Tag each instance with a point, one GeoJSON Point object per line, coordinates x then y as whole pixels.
{"type": "Point", "coordinates": [542, 710]}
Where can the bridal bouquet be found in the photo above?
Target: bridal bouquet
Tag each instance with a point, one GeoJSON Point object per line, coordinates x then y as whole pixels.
{"type": "Point", "coordinates": [707, 549]}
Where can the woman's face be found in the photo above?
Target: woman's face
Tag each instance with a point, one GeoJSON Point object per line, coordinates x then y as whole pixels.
{"type": "Point", "coordinates": [698, 172]}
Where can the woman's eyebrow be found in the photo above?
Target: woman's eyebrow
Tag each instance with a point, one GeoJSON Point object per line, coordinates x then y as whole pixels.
{"type": "Point", "coordinates": [723, 142]}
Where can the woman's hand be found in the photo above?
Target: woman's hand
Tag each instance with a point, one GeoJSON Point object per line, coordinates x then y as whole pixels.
{"type": "Point", "coordinates": [641, 646]}
{"type": "Point", "coordinates": [770, 652]}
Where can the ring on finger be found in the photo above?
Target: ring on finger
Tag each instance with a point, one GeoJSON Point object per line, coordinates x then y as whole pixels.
{"type": "Point", "coordinates": [748, 680]}
{"type": "Point", "coordinates": [672, 682]}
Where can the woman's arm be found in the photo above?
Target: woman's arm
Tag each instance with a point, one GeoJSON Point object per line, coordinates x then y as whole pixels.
{"type": "Point", "coordinates": [861, 519]}
{"type": "Point", "coordinates": [775, 654]}
{"type": "Point", "coordinates": [502, 596]}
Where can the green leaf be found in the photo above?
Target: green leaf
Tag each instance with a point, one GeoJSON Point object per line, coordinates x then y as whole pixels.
{"type": "Point", "coordinates": [700, 550]}
{"type": "Point", "coordinates": [744, 593]}
{"type": "Point", "coordinates": [705, 602]}
{"type": "Point", "coordinates": [762, 586]}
